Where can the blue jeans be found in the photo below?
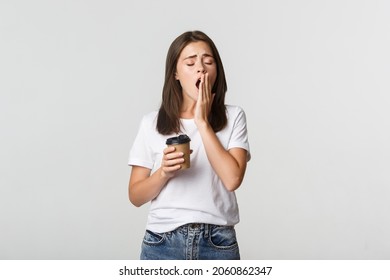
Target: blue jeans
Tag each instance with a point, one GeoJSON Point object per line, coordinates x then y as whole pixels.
{"type": "Point", "coordinates": [192, 242]}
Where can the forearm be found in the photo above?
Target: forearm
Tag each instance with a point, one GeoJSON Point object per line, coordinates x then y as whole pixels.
{"type": "Point", "coordinates": [228, 168]}
{"type": "Point", "coordinates": [143, 191]}
{"type": "Point", "coordinates": [144, 187]}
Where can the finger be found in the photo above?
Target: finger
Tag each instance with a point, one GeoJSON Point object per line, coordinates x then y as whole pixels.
{"type": "Point", "coordinates": [207, 89]}
{"type": "Point", "coordinates": [205, 93]}
{"type": "Point", "coordinates": [201, 85]}
{"type": "Point", "coordinates": [173, 162]}
{"type": "Point", "coordinates": [172, 156]}
{"type": "Point", "coordinates": [171, 169]}
{"type": "Point", "coordinates": [168, 150]}
{"type": "Point", "coordinates": [200, 94]}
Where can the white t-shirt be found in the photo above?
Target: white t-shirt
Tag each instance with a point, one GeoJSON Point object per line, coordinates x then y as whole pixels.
{"type": "Point", "coordinates": [194, 195]}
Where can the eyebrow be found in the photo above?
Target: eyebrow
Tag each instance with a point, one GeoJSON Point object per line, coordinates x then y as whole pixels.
{"type": "Point", "coordinates": [195, 55]}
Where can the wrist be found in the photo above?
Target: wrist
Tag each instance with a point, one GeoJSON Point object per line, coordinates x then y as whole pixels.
{"type": "Point", "coordinates": [202, 124]}
{"type": "Point", "coordinates": [163, 176]}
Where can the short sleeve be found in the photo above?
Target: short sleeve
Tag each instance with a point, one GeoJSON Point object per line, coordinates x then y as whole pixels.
{"type": "Point", "coordinates": [239, 136]}
{"type": "Point", "coordinates": [141, 153]}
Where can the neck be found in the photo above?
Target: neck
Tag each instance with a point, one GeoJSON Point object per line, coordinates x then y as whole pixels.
{"type": "Point", "coordinates": [188, 108]}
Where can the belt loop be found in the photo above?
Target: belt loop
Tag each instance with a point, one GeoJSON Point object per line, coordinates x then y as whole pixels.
{"type": "Point", "coordinates": [206, 230]}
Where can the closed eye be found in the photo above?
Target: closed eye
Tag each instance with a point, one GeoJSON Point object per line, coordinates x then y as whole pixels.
{"type": "Point", "coordinates": [208, 61]}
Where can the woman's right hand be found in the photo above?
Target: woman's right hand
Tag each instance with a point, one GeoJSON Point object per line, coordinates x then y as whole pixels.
{"type": "Point", "coordinates": [171, 162]}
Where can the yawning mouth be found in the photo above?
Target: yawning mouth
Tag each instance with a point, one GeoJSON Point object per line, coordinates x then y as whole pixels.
{"type": "Point", "coordinates": [197, 83]}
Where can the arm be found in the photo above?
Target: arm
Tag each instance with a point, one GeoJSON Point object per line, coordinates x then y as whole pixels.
{"type": "Point", "coordinates": [144, 187]}
{"type": "Point", "coordinates": [229, 165]}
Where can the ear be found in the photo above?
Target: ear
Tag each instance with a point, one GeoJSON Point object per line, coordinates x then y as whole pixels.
{"type": "Point", "coordinates": [176, 77]}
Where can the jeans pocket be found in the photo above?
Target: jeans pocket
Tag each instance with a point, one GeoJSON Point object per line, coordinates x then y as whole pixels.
{"type": "Point", "coordinates": [153, 238]}
{"type": "Point", "coordinates": [223, 237]}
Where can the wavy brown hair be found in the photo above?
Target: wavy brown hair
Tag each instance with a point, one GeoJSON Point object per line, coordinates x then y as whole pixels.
{"type": "Point", "coordinates": [168, 120]}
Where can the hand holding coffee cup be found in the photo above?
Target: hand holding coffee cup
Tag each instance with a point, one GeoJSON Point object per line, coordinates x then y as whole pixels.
{"type": "Point", "coordinates": [181, 144]}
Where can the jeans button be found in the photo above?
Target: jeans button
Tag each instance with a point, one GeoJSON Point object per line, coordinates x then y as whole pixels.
{"type": "Point", "coordinates": [194, 226]}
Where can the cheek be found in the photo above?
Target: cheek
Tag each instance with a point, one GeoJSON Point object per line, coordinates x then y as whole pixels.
{"type": "Point", "coordinates": [184, 76]}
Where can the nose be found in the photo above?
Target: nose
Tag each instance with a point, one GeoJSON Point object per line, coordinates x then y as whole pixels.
{"type": "Point", "coordinates": [201, 68]}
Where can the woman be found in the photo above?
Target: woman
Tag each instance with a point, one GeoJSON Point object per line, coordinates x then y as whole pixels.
{"type": "Point", "coordinates": [193, 211]}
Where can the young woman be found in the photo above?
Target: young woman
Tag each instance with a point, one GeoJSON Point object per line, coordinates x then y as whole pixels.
{"type": "Point", "coordinates": [193, 211]}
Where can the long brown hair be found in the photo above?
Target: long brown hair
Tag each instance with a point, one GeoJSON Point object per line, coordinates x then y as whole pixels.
{"type": "Point", "coordinates": [168, 120]}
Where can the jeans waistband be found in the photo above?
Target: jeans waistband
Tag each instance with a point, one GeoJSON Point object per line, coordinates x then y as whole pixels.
{"type": "Point", "coordinates": [195, 228]}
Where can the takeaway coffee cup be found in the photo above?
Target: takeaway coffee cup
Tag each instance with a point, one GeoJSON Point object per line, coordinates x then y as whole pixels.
{"type": "Point", "coordinates": [182, 144]}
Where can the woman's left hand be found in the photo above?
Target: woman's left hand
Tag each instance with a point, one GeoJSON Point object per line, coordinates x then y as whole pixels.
{"type": "Point", "coordinates": [205, 100]}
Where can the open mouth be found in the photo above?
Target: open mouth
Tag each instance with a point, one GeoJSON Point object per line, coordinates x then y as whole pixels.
{"type": "Point", "coordinates": [197, 83]}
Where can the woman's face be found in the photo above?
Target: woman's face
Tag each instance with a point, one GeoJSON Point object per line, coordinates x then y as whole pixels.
{"type": "Point", "coordinates": [195, 60]}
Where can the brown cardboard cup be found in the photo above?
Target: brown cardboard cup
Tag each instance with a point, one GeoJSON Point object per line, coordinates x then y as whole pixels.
{"type": "Point", "coordinates": [182, 144]}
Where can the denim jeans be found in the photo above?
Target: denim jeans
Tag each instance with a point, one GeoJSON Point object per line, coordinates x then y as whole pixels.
{"type": "Point", "coordinates": [192, 242]}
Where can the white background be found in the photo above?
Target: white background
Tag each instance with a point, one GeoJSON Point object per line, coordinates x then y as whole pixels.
{"type": "Point", "coordinates": [313, 77]}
